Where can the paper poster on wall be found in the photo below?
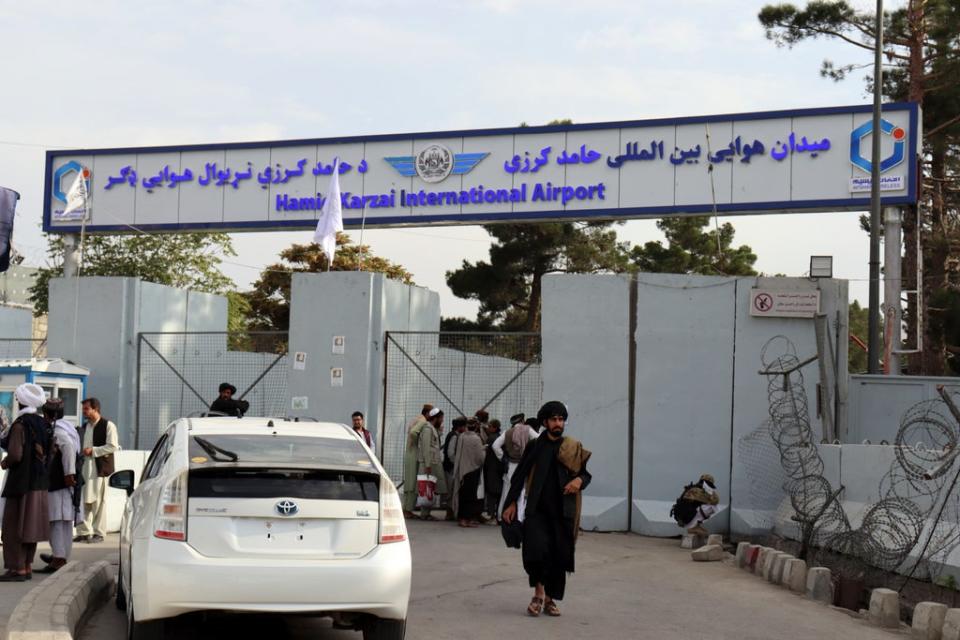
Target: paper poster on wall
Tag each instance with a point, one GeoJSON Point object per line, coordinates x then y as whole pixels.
{"type": "Point", "coordinates": [300, 360]}
{"type": "Point", "coordinates": [339, 344]}
{"type": "Point", "coordinates": [336, 376]}
{"type": "Point", "coordinates": [299, 402]}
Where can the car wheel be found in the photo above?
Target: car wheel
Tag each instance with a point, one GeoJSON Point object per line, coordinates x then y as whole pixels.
{"type": "Point", "coordinates": [147, 630]}
{"type": "Point", "coordinates": [383, 629]}
{"type": "Point", "coordinates": [120, 598]}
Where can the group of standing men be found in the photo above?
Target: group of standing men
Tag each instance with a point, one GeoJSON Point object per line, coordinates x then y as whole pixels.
{"type": "Point", "coordinates": [56, 478]}
{"type": "Point", "coordinates": [529, 477]}
{"type": "Point", "coordinates": [468, 477]}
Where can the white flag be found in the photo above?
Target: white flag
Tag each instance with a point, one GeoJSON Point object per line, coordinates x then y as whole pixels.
{"type": "Point", "coordinates": [331, 216]}
{"type": "Point", "coordinates": [77, 197]}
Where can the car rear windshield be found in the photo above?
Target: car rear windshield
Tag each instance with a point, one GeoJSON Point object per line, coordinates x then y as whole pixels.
{"type": "Point", "coordinates": [221, 482]}
{"type": "Point", "coordinates": [280, 450]}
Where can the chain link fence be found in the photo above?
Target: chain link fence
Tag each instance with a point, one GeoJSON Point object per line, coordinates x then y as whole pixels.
{"type": "Point", "coordinates": [22, 348]}
{"type": "Point", "coordinates": [179, 374]}
{"type": "Point", "coordinates": [460, 372]}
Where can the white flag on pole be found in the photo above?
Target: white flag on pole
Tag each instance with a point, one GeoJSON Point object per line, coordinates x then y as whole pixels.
{"type": "Point", "coordinates": [78, 198]}
{"type": "Point", "coordinates": [331, 216]}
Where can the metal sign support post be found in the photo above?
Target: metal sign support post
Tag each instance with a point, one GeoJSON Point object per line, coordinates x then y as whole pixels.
{"type": "Point", "coordinates": [892, 308]}
{"type": "Point", "coordinates": [873, 342]}
{"type": "Point", "coordinates": [71, 255]}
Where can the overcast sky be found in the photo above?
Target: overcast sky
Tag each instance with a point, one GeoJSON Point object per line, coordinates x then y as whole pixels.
{"type": "Point", "coordinates": [111, 74]}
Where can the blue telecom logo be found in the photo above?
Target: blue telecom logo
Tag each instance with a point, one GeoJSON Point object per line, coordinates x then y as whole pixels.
{"type": "Point", "coordinates": [888, 128]}
{"type": "Point", "coordinates": [58, 188]}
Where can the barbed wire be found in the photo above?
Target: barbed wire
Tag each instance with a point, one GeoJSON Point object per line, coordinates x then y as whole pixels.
{"type": "Point", "coordinates": [916, 510]}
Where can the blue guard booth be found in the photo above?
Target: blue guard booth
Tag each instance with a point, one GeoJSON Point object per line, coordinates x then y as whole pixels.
{"type": "Point", "coordinates": [59, 378]}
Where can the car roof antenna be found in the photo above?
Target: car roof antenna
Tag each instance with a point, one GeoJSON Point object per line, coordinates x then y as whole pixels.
{"type": "Point", "coordinates": [269, 424]}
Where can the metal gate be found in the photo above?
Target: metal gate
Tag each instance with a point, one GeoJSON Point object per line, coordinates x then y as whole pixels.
{"type": "Point", "coordinates": [178, 373]}
{"type": "Point", "coordinates": [23, 348]}
{"type": "Point", "coordinates": [460, 372]}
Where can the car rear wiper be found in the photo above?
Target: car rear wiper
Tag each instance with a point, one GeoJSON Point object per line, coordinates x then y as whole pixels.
{"type": "Point", "coordinates": [214, 451]}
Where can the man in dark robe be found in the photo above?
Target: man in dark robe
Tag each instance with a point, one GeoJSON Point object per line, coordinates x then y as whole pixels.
{"type": "Point", "coordinates": [226, 404]}
{"type": "Point", "coordinates": [548, 483]}
{"type": "Point", "coordinates": [492, 473]}
{"type": "Point", "coordinates": [25, 515]}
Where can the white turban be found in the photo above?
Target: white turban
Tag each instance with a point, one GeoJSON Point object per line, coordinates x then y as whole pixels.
{"type": "Point", "coordinates": [30, 396]}
{"type": "Point", "coordinates": [433, 412]}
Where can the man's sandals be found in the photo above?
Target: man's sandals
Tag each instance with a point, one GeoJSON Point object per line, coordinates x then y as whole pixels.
{"type": "Point", "coordinates": [537, 605]}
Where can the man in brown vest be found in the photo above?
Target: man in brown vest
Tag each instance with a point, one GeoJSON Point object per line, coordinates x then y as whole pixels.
{"type": "Point", "coordinates": [100, 441]}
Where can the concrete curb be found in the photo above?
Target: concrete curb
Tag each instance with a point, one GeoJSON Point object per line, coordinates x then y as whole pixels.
{"type": "Point", "coordinates": [54, 609]}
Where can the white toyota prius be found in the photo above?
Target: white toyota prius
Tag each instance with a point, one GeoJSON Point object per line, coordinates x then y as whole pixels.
{"type": "Point", "coordinates": [263, 515]}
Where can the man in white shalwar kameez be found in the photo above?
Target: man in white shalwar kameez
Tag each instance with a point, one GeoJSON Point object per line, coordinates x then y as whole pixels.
{"type": "Point", "coordinates": [100, 442]}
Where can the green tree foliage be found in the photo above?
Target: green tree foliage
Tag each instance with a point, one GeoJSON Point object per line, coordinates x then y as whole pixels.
{"type": "Point", "coordinates": [183, 260]}
{"type": "Point", "coordinates": [269, 301]}
{"type": "Point", "coordinates": [691, 249]}
{"type": "Point", "coordinates": [508, 286]}
{"type": "Point", "coordinates": [856, 355]}
{"type": "Point", "coordinates": [921, 41]}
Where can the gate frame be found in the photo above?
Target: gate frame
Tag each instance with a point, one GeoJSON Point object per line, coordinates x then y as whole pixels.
{"type": "Point", "coordinates": [142, 337]}
{"type": "Point", "coordinates": [387, 339]}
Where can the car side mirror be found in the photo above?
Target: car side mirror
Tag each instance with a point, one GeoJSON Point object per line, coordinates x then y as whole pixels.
{"type": "Point", "coordinates": [123, 480]}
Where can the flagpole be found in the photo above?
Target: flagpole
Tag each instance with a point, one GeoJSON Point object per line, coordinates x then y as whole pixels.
{"type": "Point", "coordinates": [363, 223]}
{"type": "Point", "coordinates": [79, 250]}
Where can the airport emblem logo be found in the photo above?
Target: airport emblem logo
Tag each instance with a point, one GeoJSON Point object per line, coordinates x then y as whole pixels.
{"type": "Point", "coordinates": [435, 162]}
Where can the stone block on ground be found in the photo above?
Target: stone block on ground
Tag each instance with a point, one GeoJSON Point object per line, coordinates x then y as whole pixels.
{"type": "Point", "coordinates": [797, 572]}
{"type": "Point", "coordinates": [715, 538]}
{"type": "Point", "coordinates": [743, 555]}
{"type": "Point", "coordinates": [951, 625]}
{"type": "Point", "coordinates": [708, 553]}
{"type": "Point", "coordinates": [928, 618]}
{"type": "Point", "coordinates": [820, 585]}
{"type": "Point", "coordinates": [776, 574]}
{"type": "Point", "coordinates": [769, 563]}
{"type": "Point", "coordinates": [785, 573]}
{"type": "Point", "coordinates": [884, 608]}
{"type": "Point", "coordinates": [761, 560]}
{"type": "Point", "coordinates": [753, 556]}
{"type": "Point", "coordinates": [691, 541]}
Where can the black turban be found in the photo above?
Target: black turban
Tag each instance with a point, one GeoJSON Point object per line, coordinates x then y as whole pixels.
{"type": "Point", "coordinates": [551, 409]}
{"type": "Point", "coordinates": [227, 385]}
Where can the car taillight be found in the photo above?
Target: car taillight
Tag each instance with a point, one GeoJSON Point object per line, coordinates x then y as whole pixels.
{"type": "Point", "coordinates": [393, 528]}
{"type": "Point", "coordinates": [172, 510]}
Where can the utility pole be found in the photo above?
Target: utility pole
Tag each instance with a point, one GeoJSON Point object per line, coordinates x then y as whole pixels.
{"type": "Point", "coordinates": [873, 339]}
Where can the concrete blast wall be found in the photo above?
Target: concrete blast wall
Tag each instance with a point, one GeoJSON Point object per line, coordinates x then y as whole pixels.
{"type": "Point", "coordinates": [16, 324]}
{"type": "Point", "coordinates": [877, 404]}
{"type": "Point", "coordinates": [697, 390]}
{"type": "Point", "coordinates": [95, 322]}
{"type": "Point", "coordinates": [360, 307]}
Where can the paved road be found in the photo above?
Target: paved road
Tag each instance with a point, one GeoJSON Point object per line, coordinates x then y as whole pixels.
{"type": "Point", "coordinates": [12, 592]}
{"type": "Point", "coordinates": [468, 586]}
